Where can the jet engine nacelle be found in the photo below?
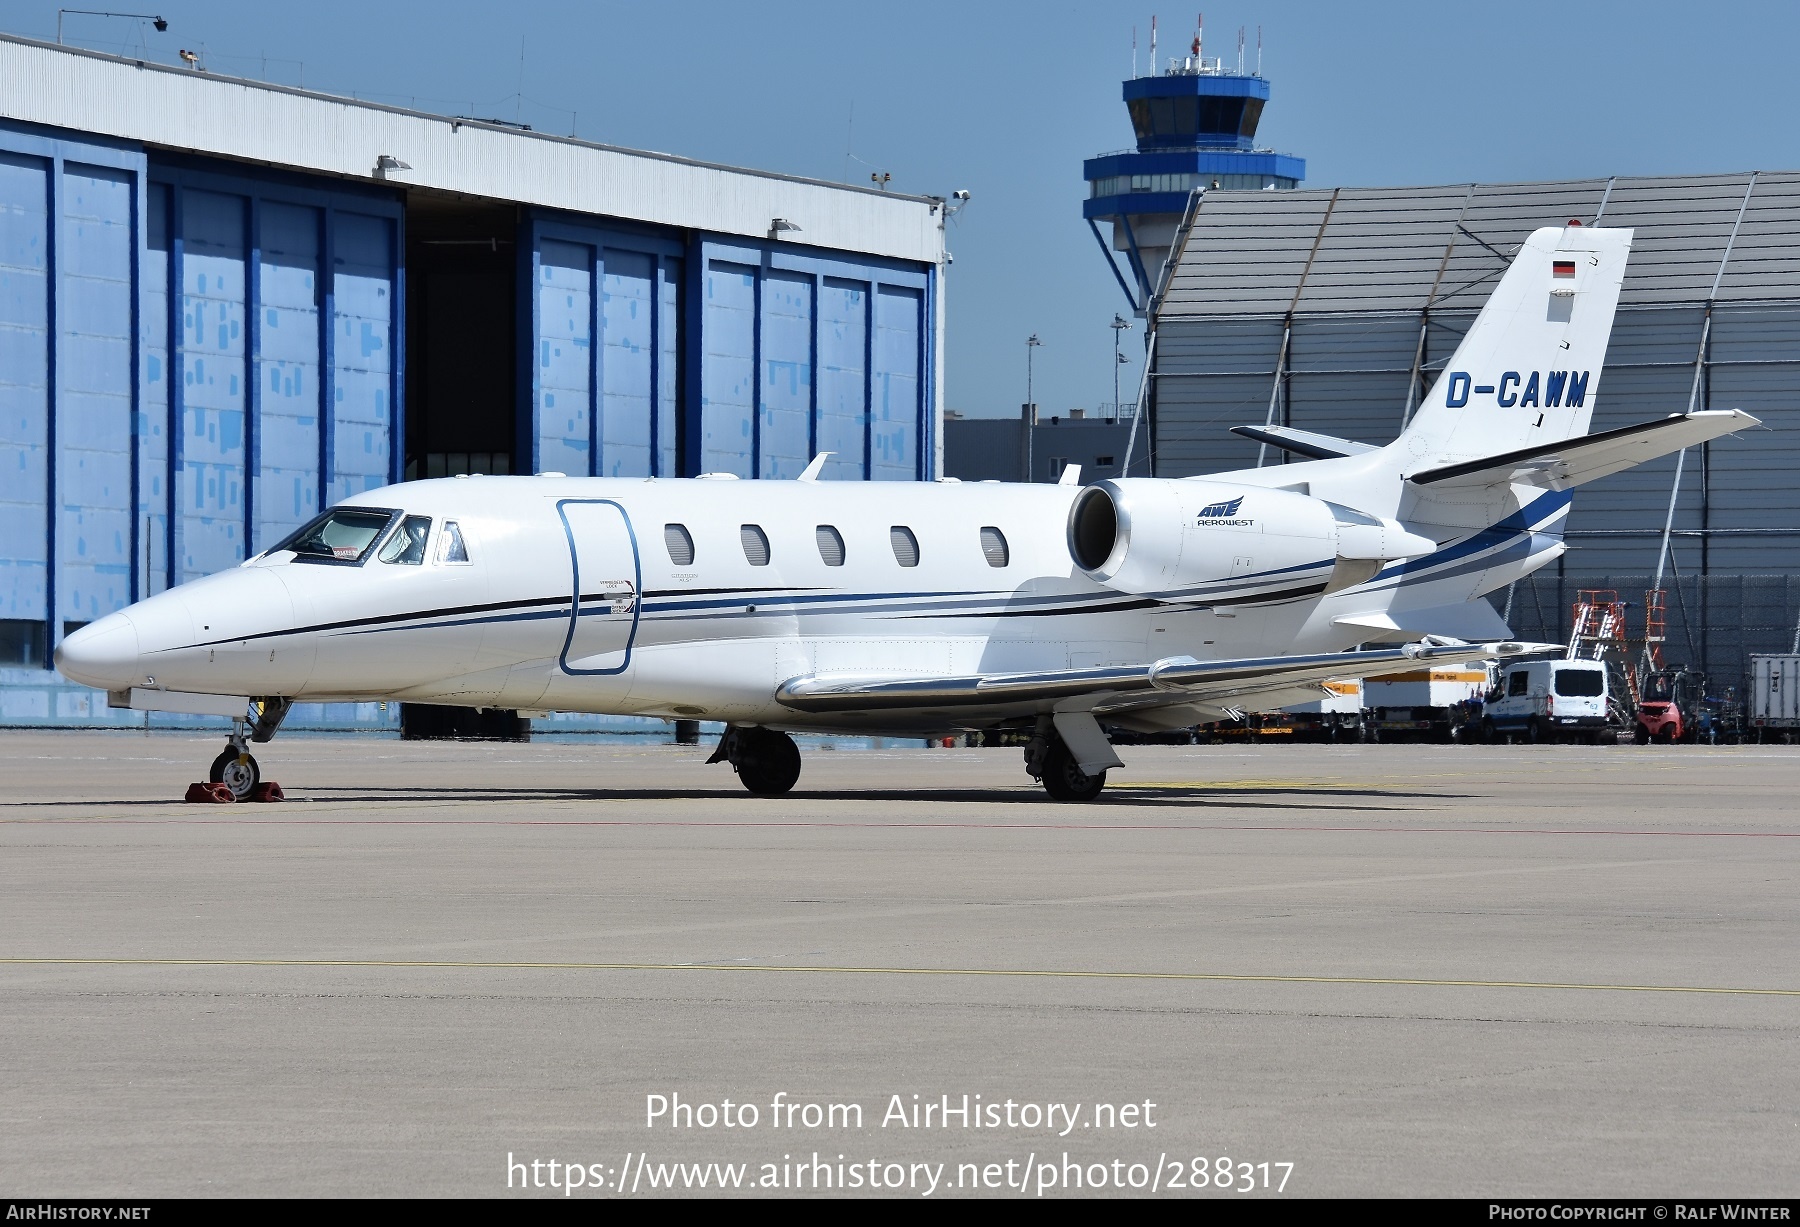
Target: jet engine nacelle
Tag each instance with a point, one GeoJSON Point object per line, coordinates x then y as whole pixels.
{"type": "Point", "coordinates": [1152, 535]}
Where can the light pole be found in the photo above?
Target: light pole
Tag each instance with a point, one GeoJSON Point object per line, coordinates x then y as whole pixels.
{"type": "Point", "coordinates": [1030, 414]}
{"type": "Point", "coordinates": [1119, 325]}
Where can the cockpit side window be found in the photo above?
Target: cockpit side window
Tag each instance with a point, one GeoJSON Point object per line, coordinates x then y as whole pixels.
{"type": "Point", "coordinates": [343, 535]}
{"type": "Point", "coordinates": [451, 547]}
{"type": "Point", "coordinates": [407, 545]}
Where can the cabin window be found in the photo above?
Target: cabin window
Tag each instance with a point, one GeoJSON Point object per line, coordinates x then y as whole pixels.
{"type": "Point", "coordinates": [1518, 684]}
{"type": "Point", "coordinates": [906, 546]}
{"type": "Point", "coordinates": [680, 544]}
{"type": "Point", "coordinates": [831, 545]}
{"type": "Point", "coordinates": [756, 545]}
{"type": "Point", "coordinates": [993, 545]}
{"type": "Point", "coordinates": [451, 547]}
{"type": "Point", "coordinates": [343, 535]}
{"type": "Point", "coordinates": [407, 545]}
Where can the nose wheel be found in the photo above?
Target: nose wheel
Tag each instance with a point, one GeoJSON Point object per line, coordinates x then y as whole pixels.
{"type": "Point", "coordinates": [237, 770]}
{"type": "Point", "coordinates": [234, 775]}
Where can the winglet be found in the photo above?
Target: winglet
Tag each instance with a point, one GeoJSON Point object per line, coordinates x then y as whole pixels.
{"type": "Point", "coordinates": [816, 467]}
{"type": "Point", "coordinates": [1071, 475]}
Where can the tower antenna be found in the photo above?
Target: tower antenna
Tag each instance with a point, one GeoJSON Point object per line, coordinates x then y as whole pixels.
{"type": "Point", "coordinates": [1259, 51]}
{"type": "Point", "coordinates": [1200, 38]}
{"type": "Point", "coordinates": [1153, 44]}
{"type": "Point", "coordinates": [1240, 70]}
{"type": "Point", "coordinates": [1134, 53]}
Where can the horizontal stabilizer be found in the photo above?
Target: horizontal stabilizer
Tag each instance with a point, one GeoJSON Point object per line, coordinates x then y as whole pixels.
{"type": "Point", "coordinates": [1303, 442]}
{"type": "Point", "coordinates": [1574, 462]}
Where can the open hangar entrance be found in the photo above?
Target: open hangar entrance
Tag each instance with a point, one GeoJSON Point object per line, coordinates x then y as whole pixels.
{"type": "Point", "coordinates": [461, 343]}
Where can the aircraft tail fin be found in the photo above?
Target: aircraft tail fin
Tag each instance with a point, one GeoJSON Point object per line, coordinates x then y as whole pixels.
{"type": "Point", "coordinates": [1529, 369]}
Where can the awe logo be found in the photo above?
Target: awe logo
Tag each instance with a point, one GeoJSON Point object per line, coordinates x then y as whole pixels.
{"type": "Point", "coordinates": [1221, 511]}
{"type": "Point", "coordinates": [1559, 389]}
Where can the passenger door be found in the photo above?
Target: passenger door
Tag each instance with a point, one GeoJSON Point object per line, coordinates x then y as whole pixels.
{"type": "Point", "coordinates": [605, 578]}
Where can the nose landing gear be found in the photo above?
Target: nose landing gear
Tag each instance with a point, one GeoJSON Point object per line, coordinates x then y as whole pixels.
{"type": "Point", "coordinates": [766, 762]}
{"type": "Point", "coordinates": [235, 769]}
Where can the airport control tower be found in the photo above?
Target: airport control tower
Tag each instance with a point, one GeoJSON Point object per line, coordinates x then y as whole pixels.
{"type": "Point", "coordinates": [1195, 121]}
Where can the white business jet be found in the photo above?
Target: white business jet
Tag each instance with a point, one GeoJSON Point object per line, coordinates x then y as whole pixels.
{"type": "Point", "coordinates": [1056, 611]}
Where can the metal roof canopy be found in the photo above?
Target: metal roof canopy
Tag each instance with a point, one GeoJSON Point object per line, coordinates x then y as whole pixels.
{"type": "Point", "coordinates": [1410, 250]}
{"type": "Point", "coordinates": [276, 125]}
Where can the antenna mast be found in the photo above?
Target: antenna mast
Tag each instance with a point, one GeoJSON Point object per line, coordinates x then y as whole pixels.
{"type": "Point", "coordinates": [1153, 44]}
{"type": "Point", "coordinates": [1259, 51]}
{"type": "Point", "coordinates": [1134, 53]}
{"type": "Point", "coordinates": [1200, 38]}
{"type": "Point", "coordinates": [1240, 70]}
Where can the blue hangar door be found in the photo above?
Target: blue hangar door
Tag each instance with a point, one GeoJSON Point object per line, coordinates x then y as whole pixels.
{"type": "Point", "coordinates": [270, 321]}
{"type": "Point", "coordinates": [801, 351]}
{"type": "Point", "coordinates": [652, 353]}
{"type": "Point", "coordinates": [71, 543]}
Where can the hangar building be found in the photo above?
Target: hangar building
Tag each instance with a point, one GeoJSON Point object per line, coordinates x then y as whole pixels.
{"type": "Point", "coordinates": [1334, 310]}
{"type": "Point", "coordinates": [225, 305]}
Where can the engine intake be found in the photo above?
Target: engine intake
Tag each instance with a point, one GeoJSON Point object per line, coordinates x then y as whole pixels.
{"type": "Point", "coordinates": [1155, 536]}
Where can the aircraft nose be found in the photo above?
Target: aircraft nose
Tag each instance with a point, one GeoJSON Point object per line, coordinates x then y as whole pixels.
{"type": "Point", "coordinates": [102, 654]}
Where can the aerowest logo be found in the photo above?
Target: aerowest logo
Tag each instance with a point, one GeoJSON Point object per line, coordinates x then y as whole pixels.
{"type": "Point", "coordinates": [1533, 390]}
{"type": "Point", "coordinates": [1223, 515]}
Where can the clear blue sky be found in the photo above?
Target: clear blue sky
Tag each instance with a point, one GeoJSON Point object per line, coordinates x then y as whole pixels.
{"type": "Point", "coordinates": [1006, 99]}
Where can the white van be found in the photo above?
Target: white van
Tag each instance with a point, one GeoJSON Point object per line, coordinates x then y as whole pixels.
{"type": "Point", "coordinates": [1547, 700]}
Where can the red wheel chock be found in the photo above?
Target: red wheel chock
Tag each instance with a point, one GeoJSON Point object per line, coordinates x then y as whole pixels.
{"type": "Point", "coordinates": [268, 790]}
{"type": "Point", "coordinates": [209, 794]}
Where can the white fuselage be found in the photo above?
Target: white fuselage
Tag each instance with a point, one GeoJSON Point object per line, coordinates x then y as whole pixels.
{"type": "Point", "coordinates": [577, 596]}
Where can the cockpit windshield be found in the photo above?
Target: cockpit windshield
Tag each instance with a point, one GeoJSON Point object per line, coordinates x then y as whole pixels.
{"type": "Point", "coordinates": [344, 535]}
{"type": "Point", "coordinates": [407, 545]}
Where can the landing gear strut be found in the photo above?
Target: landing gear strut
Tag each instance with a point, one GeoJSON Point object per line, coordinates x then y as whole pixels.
{"type": "Point", "coordinates": [766, 762]}
{"type": "Point", "coordinates": [1049, 761]}
{"type": "Point", "coordinates": [235, 768]}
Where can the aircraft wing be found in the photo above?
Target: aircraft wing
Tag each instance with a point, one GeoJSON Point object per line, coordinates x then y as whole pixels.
{"type": "Point", "coordinates": [1585, 458]}
{"type": "Point", "coordinates": [1170, 681]}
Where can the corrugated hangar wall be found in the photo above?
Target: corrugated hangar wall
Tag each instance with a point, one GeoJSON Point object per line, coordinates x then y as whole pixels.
{"type": "Point", "coordinates": [196, 355]}
{"type": "Point", "coordinates": [1335, 310]}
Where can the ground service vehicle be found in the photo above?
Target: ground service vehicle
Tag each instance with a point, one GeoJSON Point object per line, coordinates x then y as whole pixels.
{"type": "Point", "coordinates": [1672, 707]}
{"type": "Point", "coordinates": [1548, 700]}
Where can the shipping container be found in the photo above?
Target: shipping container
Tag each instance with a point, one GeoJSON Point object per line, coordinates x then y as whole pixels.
{"type": "Point", "coordinates": [1775, 692]}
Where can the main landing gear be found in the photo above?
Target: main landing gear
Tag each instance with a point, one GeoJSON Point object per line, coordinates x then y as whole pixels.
{"type": "Point", "coordinates": [236, 770]}
{"type": "Point", "coordinates": [1051, 763]}
{"type": "Point", "coordinates": [766, 762]}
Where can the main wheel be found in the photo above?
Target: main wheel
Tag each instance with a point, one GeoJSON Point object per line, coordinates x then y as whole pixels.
{"type": "Point", "coordinates": [1064, 780]}
{"type": "Point", "coordinates": [237, 772]}
{"type": "Point", "coordinates": [1488, 735]}
{"type": "Point", "coordinates": [768, 763]}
